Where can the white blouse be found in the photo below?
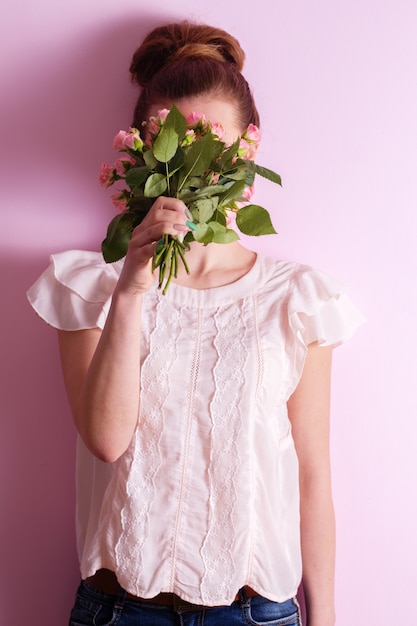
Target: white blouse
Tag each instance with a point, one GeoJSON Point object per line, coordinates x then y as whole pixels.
{"type": "Point", "coordinates": [205, 499]}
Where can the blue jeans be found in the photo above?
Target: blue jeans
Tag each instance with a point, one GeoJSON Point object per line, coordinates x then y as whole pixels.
{"type": "Point", "coordinates": [95, 608]}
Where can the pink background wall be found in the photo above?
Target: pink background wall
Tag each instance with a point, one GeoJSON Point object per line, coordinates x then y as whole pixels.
{"type": "Point", "coordinates": [337, 91]}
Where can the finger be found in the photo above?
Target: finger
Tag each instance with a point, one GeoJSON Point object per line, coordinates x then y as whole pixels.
{"type": "Point", "coordinates": [167, 209]}
{"type": "Point", "coordinates": [162, 203]}
{"type": "Point", "coordinates": [143, 236]}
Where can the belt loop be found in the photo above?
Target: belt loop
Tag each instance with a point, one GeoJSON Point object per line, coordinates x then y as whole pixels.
{"type": "Point", "coordinates": [119, 605]}
{"type": "Point", "coordinates": [181, 606]}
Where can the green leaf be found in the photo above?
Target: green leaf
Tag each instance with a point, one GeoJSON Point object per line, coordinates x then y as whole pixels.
{"type": "Point", "coordinates": [215, 232]}
{"type": "Point", "coordinates": [119, 233]}
{"type": "Point", "coordinates": [219, 217]}
{"type": "Point", "coordinates": [176, 121]}
{"type": "Point", "coordinates": [149, 159]}
{"type": "Point", "coordinates": [205, 209]}
{"type": "Point", "coordinates": [166, 144]}
{"type": "Point", "coordinates": [238, 173]}
{"type": "Point", "coordinates": [137, 192]}
{"type": "Point", "coordinates": [140, 206]}
{"type": "Point", "coordinates": [225, 161]}
{"type": "Point", "coordinates": [212, 190]}
{"type": "Point", "coordinates": [222, 234]}
{"type": "Point", "coordinates": [188, 237]}
{"type": "Point", "coordinates": [218, 147]}
{"type": "Point", "coordinates": [243, 170]}
{"type": "Point", "coordinates": [155, 186]}
{"type": "Point", "coordinates": [203, 234]}
{"type": "Point", "coordinates": [176, 162]}
{"type": "Point", "coordinates": [137, 157]}
{"type": "Point", "coordinates": [198, 158]}
{"type": "Point", "coordinates": [195, 183]}
{"type": "Point", "coordinates": [190, 194]}
{"type": "Point", "coordinates": [235, 191]}
{"type": "Point", "coordinates": [254, 220]}
{"type": "Point", "coordinates": [136, 176]}
{"type": "Point", "coordinates": [269, 174]}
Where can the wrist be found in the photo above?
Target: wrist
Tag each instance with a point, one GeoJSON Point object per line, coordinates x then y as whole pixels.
{"type": "Point", "coordinates": [130, 291]}
{"type": "Point", "coordinates": [134, 283]}
{"type": "Point", "coordinates": [127, 297]}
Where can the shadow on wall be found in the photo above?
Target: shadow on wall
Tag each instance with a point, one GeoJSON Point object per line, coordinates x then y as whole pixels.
{"type": "Point", "coordinates": [61, 113]}
{"type": "Point", "coordinates": [65, 103]}
{"type": "Point", "coordinates": [36, 461]}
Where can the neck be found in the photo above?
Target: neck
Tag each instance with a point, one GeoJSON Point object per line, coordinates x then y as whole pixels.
{"type": "Point", "coordinates": [215, 265]}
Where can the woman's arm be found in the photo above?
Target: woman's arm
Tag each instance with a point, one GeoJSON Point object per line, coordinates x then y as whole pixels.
{"type": "Point", "coordinates": [309, 409]}
{"type": "Point", "coordinates": [102, 368]}
{"type": "Point", "coordinates": [101, 373]}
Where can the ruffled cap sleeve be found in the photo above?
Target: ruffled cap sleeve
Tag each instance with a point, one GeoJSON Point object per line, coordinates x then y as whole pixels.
{"type": "Point", "coordinates": [74, 292]}
{"type": "Point", "coordinates": [320, 310]}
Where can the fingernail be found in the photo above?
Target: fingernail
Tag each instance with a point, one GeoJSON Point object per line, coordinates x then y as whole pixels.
{"type": "Point", "coordinates": [188, 213]}
{"type": "Point", "coordinates": [191, 225]}
{"type": "Point", "coordinates": [181, 227]}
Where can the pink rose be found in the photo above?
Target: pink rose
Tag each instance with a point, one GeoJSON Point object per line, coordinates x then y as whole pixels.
{"type": "Point", "coordinates": [252, 133]}
{"type": "Point", "coordinates": [106, 177]}
{"type": "Point", "coordinates": [162, 115]}
{"type": "Point", "coordinates": [250, 142]}
{"type": "Point", "coordinates": [118, 141]}
{"type": "Point", "coordinates": [218, 130]}
{"type": "Point", "coordinates": [247, 195]}
{"type": "Point", "coordinates": [251, 153]}
{"type": "Point", "coordinates": [230, 217]}
{"type": "Point", "coordinates": [123, 165]}
{"type": "Point", "coordinates": [119, 200]}
{"type": "Point", "coordinates": [133, 140]}
{"type": "Point", "coordinates": [189, 137]}
{"type": "Point", "coordinates": [248, 192]}
{"type": "Point", "coordinates": [243, 148]}
{"type": "Point", "coordinates": [247, 150]}
{"type": "Point", "coordinates": [152, 126]}
{"type": "Point", "coordinates": [194, 118]}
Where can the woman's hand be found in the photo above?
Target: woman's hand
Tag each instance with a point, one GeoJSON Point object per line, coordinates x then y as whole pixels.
{"type": "Point", "coordinates": [167, 216]}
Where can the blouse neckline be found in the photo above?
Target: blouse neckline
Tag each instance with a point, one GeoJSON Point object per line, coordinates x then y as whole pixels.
{"type": "Point", "coordinates": [222, 295]}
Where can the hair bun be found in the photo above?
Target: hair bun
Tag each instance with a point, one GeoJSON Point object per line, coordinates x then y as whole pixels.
{"type": "Point", "coordinates": [181, 40]}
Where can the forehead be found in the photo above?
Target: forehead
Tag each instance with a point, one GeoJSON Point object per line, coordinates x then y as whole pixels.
{"type": "Point", "coordinates": [216, 110]}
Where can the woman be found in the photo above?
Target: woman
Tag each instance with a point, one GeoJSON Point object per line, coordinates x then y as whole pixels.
{"type": "Point", "coordinates": [203, 459]}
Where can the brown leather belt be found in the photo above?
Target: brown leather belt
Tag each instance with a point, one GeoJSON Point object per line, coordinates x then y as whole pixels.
{"type": "Point", "coordinates": [105, 580]}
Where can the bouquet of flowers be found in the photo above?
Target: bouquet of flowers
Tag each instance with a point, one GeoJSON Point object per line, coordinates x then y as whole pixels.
{"type": "Point", "coordinates": [185, 158]}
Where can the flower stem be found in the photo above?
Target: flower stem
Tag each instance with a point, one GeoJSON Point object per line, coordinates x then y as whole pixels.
{"type": "Point", "coordinates": [166, 257]}
{"type": "Point", "coordinates": [181, 253]}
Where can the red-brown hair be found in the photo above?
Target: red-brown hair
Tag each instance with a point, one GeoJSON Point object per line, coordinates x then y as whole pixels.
{"type": "Point", "coordinates": [185, 60]}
